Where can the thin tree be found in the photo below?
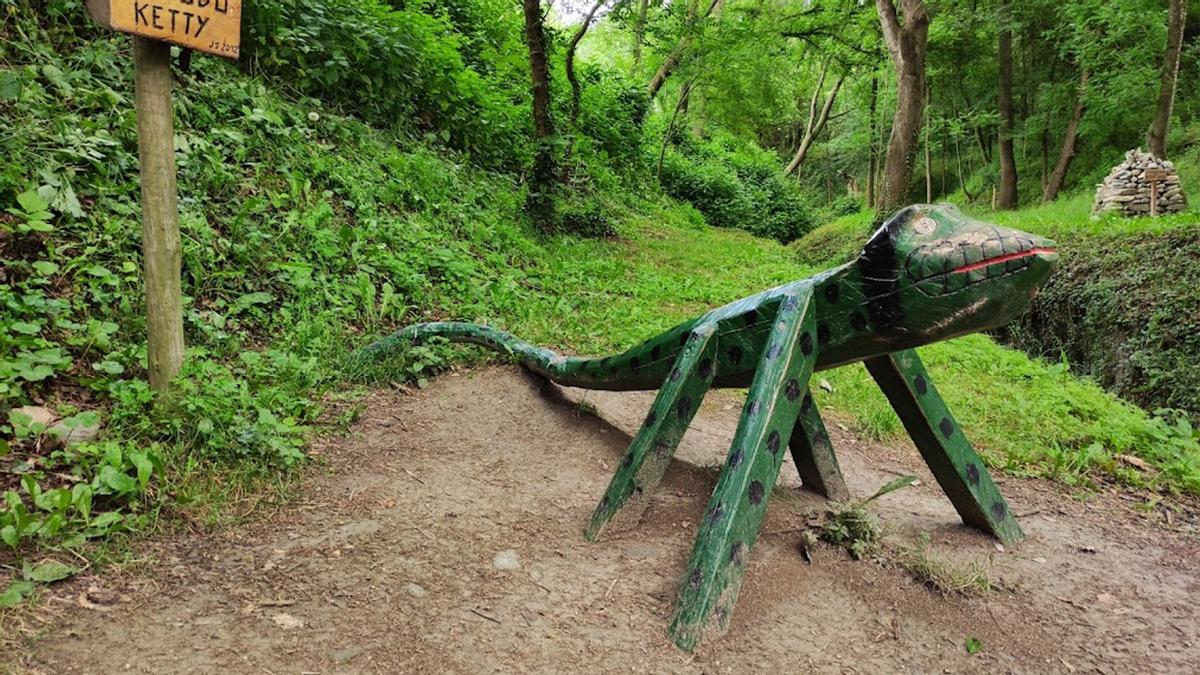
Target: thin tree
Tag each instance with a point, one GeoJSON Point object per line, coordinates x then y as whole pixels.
{"type": "Point", "coordinates": [816, 121]}
{"type": "Point", "coordinates": [669, 64]}
{"type": "Point", "coordinates": [907, 42]}
{"type": "Point", "coordinates": [639, 32]}
{"type": "Point", "coordinates": [540, 202]}
{"type": "Point", "coordinates": [576, 89]}
{"type": "Point", "coordinates": [873, 147]}
{"type": "Point", "coordinates": [1156, 138]}
{"type": "Point", "coordinates": [1007, 199]}
{"type": "Point", "coordinates": [1067, 153]}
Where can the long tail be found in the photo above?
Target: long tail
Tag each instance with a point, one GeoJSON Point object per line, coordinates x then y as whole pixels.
{"type": "Point", "coordinates": [593, 373]}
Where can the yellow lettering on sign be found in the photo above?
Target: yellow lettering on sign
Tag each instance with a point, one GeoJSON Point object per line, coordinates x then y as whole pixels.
{"type": "Point", "coordinates": [212, 26]}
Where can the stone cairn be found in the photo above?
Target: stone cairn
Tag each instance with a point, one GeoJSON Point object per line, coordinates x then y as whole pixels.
{"type": "Point", "coordinates": [1126, 190]}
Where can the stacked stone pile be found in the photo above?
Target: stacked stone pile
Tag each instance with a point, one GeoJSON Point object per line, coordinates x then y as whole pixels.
{"type": "Point", "coordinates": [1127, 191]}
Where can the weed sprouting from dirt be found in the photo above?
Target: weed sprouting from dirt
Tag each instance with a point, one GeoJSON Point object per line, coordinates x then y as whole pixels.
{"type": "Point", "coordinates": [850, 526]}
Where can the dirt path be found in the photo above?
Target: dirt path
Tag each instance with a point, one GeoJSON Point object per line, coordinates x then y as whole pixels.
{"type": "Point", "coordinates": [388, 563]}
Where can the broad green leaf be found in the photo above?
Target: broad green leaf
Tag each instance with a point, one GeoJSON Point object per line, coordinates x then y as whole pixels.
{"type": "Point", "coordinates": [15, 593]}
{"type": "Point", "coordinates": [892, 486]}
{"type": "Point", "coordinates": [8, 534]}
{"type": "Point", "coordinates": [10, 86]}
{"type": "Point", "coordinates": [44, 268]}
{"type": "Point", "coordinates": [51, 571]}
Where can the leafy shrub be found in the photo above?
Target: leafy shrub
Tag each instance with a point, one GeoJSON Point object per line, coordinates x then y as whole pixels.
{"type": "Point", "coordinates": [391, 65]}
{"type": "Point", "coordinates": [587, 219]}
{"type": "Point", "coordinates": [735, 185]}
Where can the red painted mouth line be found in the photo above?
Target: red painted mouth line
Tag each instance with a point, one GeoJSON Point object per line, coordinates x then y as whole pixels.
{"type": "Point", "coordinates": [1001, 258]}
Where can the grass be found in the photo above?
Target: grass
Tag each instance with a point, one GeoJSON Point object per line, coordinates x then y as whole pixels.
{"type": "Point", "coordinates": [971, 578]}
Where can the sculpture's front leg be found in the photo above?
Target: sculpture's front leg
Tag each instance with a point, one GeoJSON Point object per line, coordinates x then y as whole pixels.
{"type": "Point", "coordinates": [940, 439]}
{"type": "Point", "coordinates": [739, 501]}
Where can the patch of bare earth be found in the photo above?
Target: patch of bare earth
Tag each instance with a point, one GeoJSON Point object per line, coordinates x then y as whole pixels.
{"type": "Point", "coordinates": [399, 557]}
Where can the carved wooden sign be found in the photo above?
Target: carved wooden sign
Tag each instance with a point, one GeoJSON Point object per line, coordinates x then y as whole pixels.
{"type": "Point", "coordinates": [1153, 175]}
{"type": "Point", "coordinates": [212, 26]}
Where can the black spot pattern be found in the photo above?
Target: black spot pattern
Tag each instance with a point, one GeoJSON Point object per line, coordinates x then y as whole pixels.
{"type": "Point", "coordinates": [752, 409]}
{"type": "Point", "coordinates": [660, 449]}
{"type": "Point", "coordinates": [999, 510]}
{"type": "Point", "coordinates": [775, 349]}
{"type": "Point", "coordinates": [706, 368]}
{"type": "Point", "coordinates": [806, 343]}
{"type": "Point", "coordinates": [684, 407]}
{"type": "Point", "coordinates": [755, 493]}
{"type": "Point", "coordinates": [823, 334]}
{"type": "Point", "coordinates": [674, 374]}
{"type": "Point", "coordinates": [735, 458]}
{"type": "Point", "coordinates": [737, 553]}
{"type": "Point", "coordinates": [628, 461]}
{"type": "Point", "coordinates": [735, 354]}
{"type": "Point", "coordinates": [947, 427]}
{"type": "Point", "coordinates": [806, 404]}
{"type": "Point", "coordinates": [715, 513]}
{"type": "Point", "coordinates": [832, 293]}
{"type": "Point", "coordinates": [694, 578]}
{"type": "Point", "coordinates": [650, 418]}
{"type": "Point", "coordinates": [921, 385]}
{"type": "Point", "coordinates": [789, 304]}
{"type": "Point", "coordinates": [858, 322]}
{"type": "Point", "coordinates": [773, 442]}
{"type": "Point", "coordinates": [973, 474]}
{"type": "Point", "coordinates": [792, 389]}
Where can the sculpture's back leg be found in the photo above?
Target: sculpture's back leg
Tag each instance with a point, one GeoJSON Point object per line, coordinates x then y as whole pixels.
{"type": "Point", "coordinates": [739, 501]}
{"type": "Point", "coordinates": [813, 455]}
{"type": "Point", "coordinates": [939, 438]}
{"type": "Point", "coordinates": [652, 448]}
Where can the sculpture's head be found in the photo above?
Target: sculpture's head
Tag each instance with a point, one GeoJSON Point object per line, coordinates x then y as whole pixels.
{"type": "Point", "coordinates": [933, 271]}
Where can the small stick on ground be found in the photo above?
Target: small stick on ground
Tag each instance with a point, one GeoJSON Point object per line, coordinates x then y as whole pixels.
{"type": "Point", "coordinates": [485, 615]}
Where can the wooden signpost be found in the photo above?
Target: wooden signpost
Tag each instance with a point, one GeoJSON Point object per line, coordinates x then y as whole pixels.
{"type": "Point", "coordinates": [212, 26]}
{"type": "Point", "coordinates": [1154, 177]}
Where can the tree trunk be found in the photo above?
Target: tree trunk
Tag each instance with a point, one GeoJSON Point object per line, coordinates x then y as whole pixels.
{"type": "Point", "coordinates": [576, 89]}
{"type": "Point", "coordinates": [1007, 199]}
{"type": "Point", "coordinates": [680, 107]}
{"type": "Point", "coordinates": [1156, 138]}
{"type": "Point", "coordinates": [540, 202]}
{"type": "Point", "coordinates": [872, 151]}
{"type": "Point", "coordinates": [672, 61]}
{"type": "Point", "coordinates": [907, 45]}
{"type": "Point", "coordinates": [928, 169]}
{"type": "Point", "coordinates": [816, 122]}
{"type": "Point", "coordinates": [1059, 177]}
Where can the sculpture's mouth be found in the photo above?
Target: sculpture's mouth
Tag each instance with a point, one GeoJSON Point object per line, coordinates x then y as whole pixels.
{"type": "Point", "coordinates": [950, 266]}
{"type": "Point", "coordinates": [1005, 258]}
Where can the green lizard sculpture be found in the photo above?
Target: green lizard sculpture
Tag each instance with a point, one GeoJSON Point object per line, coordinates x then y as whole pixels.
{"type": "Point", "coordinates": [929, 273]}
